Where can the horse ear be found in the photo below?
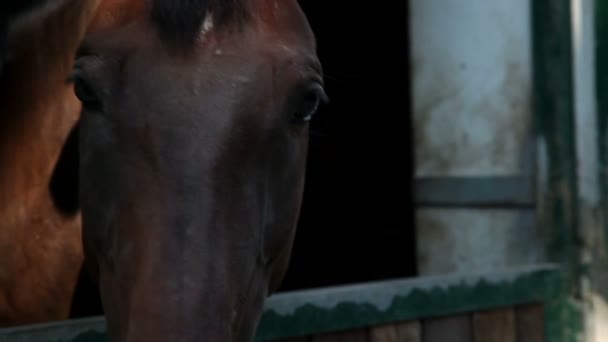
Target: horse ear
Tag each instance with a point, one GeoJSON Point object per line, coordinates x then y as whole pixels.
{"type": "Point", "coordinates": [112, 14]}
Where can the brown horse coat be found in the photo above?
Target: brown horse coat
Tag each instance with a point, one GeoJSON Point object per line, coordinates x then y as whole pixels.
{"type": "Point", "coordinates": [40, 246]}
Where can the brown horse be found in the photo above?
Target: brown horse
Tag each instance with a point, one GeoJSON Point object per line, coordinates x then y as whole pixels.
{"type": "Point", "coordinates": [193, 142]}
{"type": "Point", "coordinates": [40, 243]}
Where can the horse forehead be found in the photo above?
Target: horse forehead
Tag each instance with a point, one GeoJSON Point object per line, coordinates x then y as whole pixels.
{"type": "Point", "coordinates": [283, 18]}
{"type": "Point", "coordinates": [116, 13]}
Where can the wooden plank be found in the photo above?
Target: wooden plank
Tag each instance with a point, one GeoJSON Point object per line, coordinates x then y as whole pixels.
{"type": "Point", "coordinates": [383, 333]}
{"type": "Point", "coordinates": [404, 332]}
{"type": "Point", "coordinates": [530, 323]}
{"type": "Point", "coordinates": [295, 339]}
{"type": "Point", "coordinates": [409, 332]}
{"type": "Point", "coordinates": [447, 329]}
{"type": "Point", "coordinates": [359, 335]}
{"type": "Point", "coordinates": [494, 325]}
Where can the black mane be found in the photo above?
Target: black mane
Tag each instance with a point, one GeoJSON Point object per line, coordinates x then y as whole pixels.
{"type": "Point", "coordinates": [179, 21]}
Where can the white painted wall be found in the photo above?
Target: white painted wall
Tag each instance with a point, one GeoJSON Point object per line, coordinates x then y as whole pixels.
{"type": "Point", "coordinates": [471, 63]}
{"type": "Point", "coordinates": [461, 240]}
{"type": "Point", "coordinates": [472, 108]}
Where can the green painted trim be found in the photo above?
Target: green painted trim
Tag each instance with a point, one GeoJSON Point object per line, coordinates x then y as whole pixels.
{"type": "Point", "coordinates": [348, 307]}
{"type": "Point", "coordinates": [601, 61]}
{"type": "Point", "coordinates": [344, 308]}
{"type": "Point", "coordinates": [554, 114]}
{"type": "Point", "coordinates": [81, 330]}
{"type": "Point", "coordinates": [563, 319]}
{"type": "Point", "coordinates": [484, 191]}
{"type": "Point", "coordinates": [555, 129]}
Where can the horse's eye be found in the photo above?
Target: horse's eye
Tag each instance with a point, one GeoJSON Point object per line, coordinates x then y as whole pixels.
{"type": "Point", "coordinates": [85, 93]}
{"type": "Point", "coordinates": [308, 104]}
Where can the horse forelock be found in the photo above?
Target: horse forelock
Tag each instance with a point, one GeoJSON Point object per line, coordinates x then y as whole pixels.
{"type": "Point", "coordinates": [182, 22]}
{"type": "Point", "coordinates": [178, 22]}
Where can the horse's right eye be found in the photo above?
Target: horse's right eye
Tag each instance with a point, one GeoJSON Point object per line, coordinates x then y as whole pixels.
{"type": "Point", "coordinates": [85, 93]}
{"type": "Point", "coordinates": [309, 103]}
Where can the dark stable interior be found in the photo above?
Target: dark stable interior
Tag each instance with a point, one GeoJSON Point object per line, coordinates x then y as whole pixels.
{"type": "Point", "coordinates": [357, 219]}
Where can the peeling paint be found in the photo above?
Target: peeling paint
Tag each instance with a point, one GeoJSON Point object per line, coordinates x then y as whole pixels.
{"type": "Point", "coordinates": [381, 296]}
{"type": "Point", "coordinates": [409, 300]}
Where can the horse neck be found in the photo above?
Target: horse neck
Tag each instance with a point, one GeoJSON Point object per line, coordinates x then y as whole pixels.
{"type": "Point", "coordinates": [38, 108]}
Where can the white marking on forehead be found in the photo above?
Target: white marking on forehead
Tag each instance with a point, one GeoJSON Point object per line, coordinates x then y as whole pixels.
{"type": "Point", "coordinates": [207, 25]}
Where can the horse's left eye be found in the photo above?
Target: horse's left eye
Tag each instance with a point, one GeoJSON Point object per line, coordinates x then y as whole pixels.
{"type": "Point", "coordinates": [85, 93]}
{"type": "Point", "coordinates": [308, 104]}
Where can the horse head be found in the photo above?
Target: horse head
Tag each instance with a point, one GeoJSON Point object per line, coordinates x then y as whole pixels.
{"type": "Point", "coordinates": [193, 144]}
